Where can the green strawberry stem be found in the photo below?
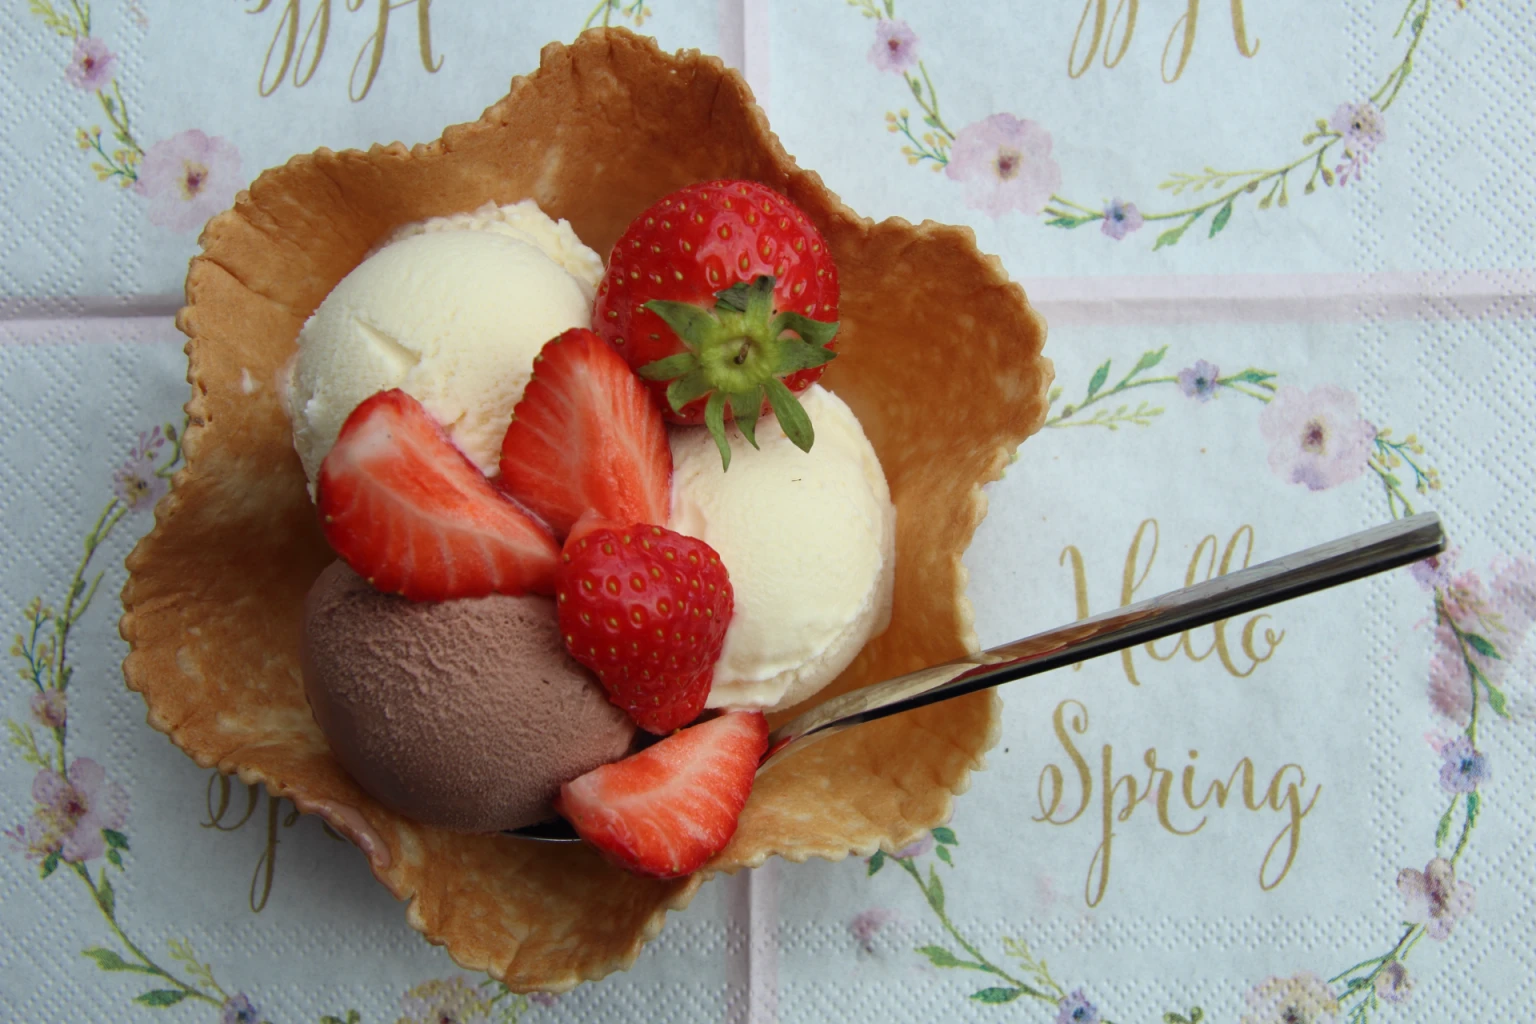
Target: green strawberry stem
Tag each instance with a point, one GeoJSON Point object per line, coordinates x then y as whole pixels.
{"type": "Point", "coordinates": [738, 354]}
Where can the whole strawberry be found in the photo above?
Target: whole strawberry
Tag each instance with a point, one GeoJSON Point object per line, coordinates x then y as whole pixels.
{"type": "Point", "coordinates": [645, 609]}
{"type": "Point", "coordinates": [727, 291]}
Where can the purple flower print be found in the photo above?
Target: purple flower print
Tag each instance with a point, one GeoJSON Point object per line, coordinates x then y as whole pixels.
{"type": "Point", "coordinates": [1316, 437]}
{"type": "Point", "coordinates": [543, 998]}
{"type": "Point", "coordinates": [1434, 899]}
{"type": "Point", "coordinates": [452, 999]}
{"type": "Point", "coordinates": [1076, 1009]}
{"type": "Point", "coordinates": [895, 46]}
{"type": "Point", "coordinates": [1393, 983]}
{"type": "Point", "coordinates": [38, 838]}
{"type": "Point", "coordinates": [1006, 164]}
{"type": "Point", "coordinates": [1434, 572]}
{"type": "Point", "coordinates": [135, 482]}
{"type": "Point", "coordinates": [1199, 381]}
{"type": "Point", "coordinates": [1302, 998]}
{"type": "Point", "coordinates": [188, 178]}
{"type": "Point", "coordinates": [49, 709]}
{"type": "Point", "coordinates": [921, 845]}
{"type": "Point", "coordinates": [1120, 219]}
{"type": "Point", "coordinates": [1362, 125]}
{"type": "Point", "coordinates": [1465, 768]}
{"type": "Point", "coordinates": [238, 1010]}
{"type": "Point", "coordinates": [79, 807]}
{"type": "Point", "coordinates": [866, 925]}
{"type": "Point", "coordinates": [92, 65]}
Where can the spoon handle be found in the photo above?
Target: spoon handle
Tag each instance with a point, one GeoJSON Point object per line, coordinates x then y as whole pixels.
{"type": "Point", "coordinates": [1348, 558]}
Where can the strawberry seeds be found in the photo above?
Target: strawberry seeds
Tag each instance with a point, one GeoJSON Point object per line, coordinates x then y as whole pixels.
{"type": "Point", "coordinates": [718, 302]}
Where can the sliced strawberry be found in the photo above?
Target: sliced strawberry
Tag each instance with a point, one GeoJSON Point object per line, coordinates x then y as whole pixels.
{"type": "Point", "coordinates": [587, 437]}
{"type": "Point", "coordinates": [409, 512]}
{"type": "Point", "coordinates": [667, 810]}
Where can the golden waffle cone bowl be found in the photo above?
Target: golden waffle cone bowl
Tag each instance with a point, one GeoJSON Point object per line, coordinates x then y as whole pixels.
{"type": "Point", "coordinates": [939, 358]}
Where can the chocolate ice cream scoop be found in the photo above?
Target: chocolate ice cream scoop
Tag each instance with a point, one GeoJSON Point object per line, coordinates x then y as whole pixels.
{"type": "Point", "coordinates": [463, 714]}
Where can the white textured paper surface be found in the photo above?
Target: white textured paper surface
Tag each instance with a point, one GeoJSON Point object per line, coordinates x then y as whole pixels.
{"type": "Point", "coordinates": [1402, 300]}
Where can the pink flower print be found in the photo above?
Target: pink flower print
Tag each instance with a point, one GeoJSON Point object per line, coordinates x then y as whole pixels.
{"type": "Point", "coordinates": [921, 845]}
{"type": "Point", "coordinates": [1393, 983]}
{"type": "Point", "coordinates": [1466, 599]}
{"type": "Point", "coordinates": [1120, 219]}
{"type": "Point", "coordinates": [1353, 168]}
{"type": "Point", "coordinates": [453, 999]}
{"type": "Point", "coordinates": [1450, 690]}
{"type": "Point", "coordinates": [866, 925]}
{"type": "Point", "coordinates": [80, 806]}
{"type": "Point", "coordinates": [895, 46]}
{"type": "Point", "coordinates": [1302, 998]}
{"type": "Point", "coordinates": [1434, 572]}
{"type": "Point", "coordinates": [1005, 164]}
{"type": "Point", "coordinates": [1512, 594]}
{"type": "Point", "coordinates": [1434, 899]}
{"type": "Point", "coordinates": [49, 709]}
{"type": "Point", "coordinates": [188, 178]}
{"type": "Point", "coordinates": [38, 838]}
{"type": "Point", "coordinates": [92, 65]}
{"type": "Point", "coordinates": [1362, 125]}
{"type": "Point", "coordinates": [1316, 437]}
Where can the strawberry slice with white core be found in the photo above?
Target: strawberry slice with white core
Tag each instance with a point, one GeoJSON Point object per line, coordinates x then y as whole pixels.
{"type": "Point", "coordinates": [410, 513]}
{"type": "Point", "coordinates": [665, 811]}
{"type": "Point", "coordinates": [587, 436]}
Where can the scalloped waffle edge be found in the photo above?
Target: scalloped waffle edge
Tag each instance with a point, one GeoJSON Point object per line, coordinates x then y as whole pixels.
{"type": "Point", "coordinates": [939, 358]}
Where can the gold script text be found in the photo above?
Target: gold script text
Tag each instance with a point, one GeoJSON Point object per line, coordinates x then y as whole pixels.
{"type": "Point", "coordinates": [287, 50]}
{"type": "Point", "coordinates": [1106, 27]}
{"type": "Point", "coordinates": [1063, 802]}
{"type": "Point", "coordinates": [1203, 565]}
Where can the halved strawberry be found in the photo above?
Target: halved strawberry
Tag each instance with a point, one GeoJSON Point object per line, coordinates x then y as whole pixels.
{"type": "Point", "coordinates": [410, 513]}
{"type": "Point", "coordinates": [667, 810]}
{"type": "Point", "coordinates": [587, 437]}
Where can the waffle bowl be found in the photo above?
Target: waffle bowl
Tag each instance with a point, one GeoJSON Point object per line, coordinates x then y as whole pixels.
{"type": "Point", "coordinates": [939, 358]}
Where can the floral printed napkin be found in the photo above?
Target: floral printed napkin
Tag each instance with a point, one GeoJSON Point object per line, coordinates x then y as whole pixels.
{"type": "Point", "coordinates": [1253, 136]}
{"type": "Point", "coordinates": [1284, 255]}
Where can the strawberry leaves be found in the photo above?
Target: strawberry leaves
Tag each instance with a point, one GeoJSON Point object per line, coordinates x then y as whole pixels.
{"type": "Point", "coordinates": [738, 354]}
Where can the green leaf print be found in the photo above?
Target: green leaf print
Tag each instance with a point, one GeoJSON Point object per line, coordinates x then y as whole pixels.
{"type": "Point", "coordinates": [110, 961]}
{"type": "Point", "coordinates": [1481, 645]}
{"type": "Point", "coordinates": [997, 995]}
{"type": "Point", "coordinates": [1097, 380]}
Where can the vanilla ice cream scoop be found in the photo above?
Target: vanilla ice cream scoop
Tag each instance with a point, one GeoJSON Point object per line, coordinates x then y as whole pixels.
{"type": "Point", "coordinates": [524, 222]}
{"type": "Point", "coordinates": [809, 541]}
{"type": "Point", "coordinates": [453, 312]}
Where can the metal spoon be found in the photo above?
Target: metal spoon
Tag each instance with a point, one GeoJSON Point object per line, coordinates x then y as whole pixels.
{"type": "Point", "coordinates": [1327, 565]}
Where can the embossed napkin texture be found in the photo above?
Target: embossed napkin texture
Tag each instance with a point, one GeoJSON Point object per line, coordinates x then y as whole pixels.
{"type": "Point", "coordinates": [1289, 281]}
